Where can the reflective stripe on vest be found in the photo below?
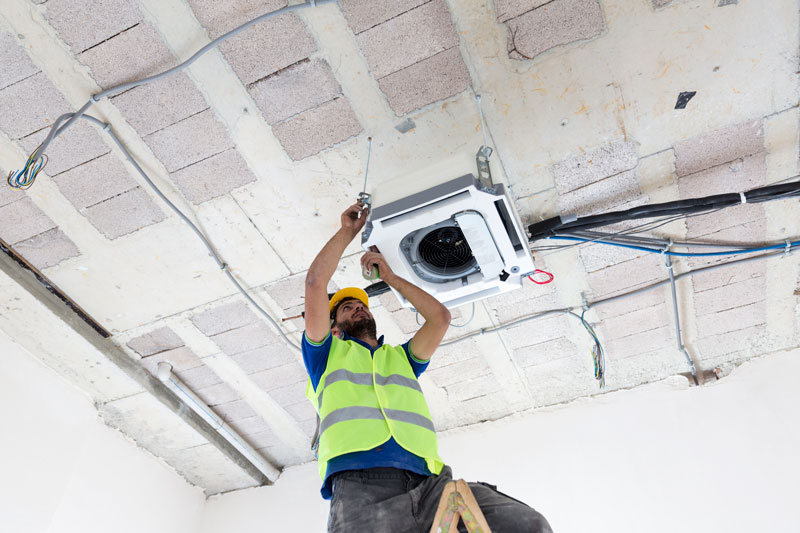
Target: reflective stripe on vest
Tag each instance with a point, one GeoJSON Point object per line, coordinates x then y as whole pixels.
{"type": "Point", "coordinates": [357, 413]}
{"type": "Point", "coordinates": [366, 379]}
{"type": "Point", "coordinates": [375, 396]}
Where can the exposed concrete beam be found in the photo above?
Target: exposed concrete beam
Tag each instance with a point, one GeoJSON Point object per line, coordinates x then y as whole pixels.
{"type": "Point", "coordinates": [338, 46]}
{"type": "Point", "coordinates": [40, 322]}
{"type": "Point", "coordinates": [285, 427]}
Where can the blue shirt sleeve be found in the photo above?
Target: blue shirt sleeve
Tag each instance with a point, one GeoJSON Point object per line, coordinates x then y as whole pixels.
{"type": "Point", "coordinates": [416, 365]}
{"type": "Point", "coordinates": [315, 357]}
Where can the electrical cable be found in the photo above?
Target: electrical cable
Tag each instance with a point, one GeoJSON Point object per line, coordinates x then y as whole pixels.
{"type": "Point", "coordinates": [222, 265]}
{"type": "Point", "coordinates": [37, 160]}
{"type": "Point", "coordinates": [568, 310]}
{"type": "Point", "coordinates": [631, 231]}
{"type": "Point", "coordinates": [25, 178]}
{"type": "Point", "coordinates": [633, 239]}
{"type": "Point", "coordinates": [363, 196]}
{"type": "Point", "coordinates": [465, 324]}
{"type": "Point", "coordinates": [681, 347]}
{"type": "Point", "coordinates": [647, 226]}
{"type": "Point", "coordinates": [55, 130]}
{"type": "Point", "coordinates": [689, 206]}
{"type": "Point", "coordinates": [786, 245]}
{"type": "Point", "coordinates": [471, 316]}
{"type": "Point", "coordinates": [598, 355]}
{"type": "Point", "coordinates": [535, 316]}
{"type": "Point", "coordinates": [483, 127]}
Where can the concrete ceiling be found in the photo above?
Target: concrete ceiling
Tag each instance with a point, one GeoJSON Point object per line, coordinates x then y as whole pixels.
{"type": "Point", "coordinates": [263, 142]}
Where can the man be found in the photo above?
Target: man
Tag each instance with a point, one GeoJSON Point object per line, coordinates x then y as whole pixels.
{"type": "Point", "coordinates": [378, 454]}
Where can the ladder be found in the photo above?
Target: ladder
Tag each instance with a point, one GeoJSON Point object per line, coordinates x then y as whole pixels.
{"type": "Point", "coordinates": [457, 501]}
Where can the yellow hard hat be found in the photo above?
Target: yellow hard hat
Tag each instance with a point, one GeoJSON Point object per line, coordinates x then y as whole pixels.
{"type": "Point", "coordinates": [349, 292]}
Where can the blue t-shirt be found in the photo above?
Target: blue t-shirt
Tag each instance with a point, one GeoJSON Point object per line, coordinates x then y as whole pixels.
{"type": "Point", "coordinates": [390, 453]}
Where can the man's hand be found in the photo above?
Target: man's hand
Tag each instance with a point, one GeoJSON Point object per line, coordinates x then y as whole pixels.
{"type": "Point", "coordinates": [319, 273]}
{"type": "Point", "coordinates": [370, 259]}
{"type": "Point", "coordinates": [352, 223]}
{"type": "Point", "coordinates": [437, 317]}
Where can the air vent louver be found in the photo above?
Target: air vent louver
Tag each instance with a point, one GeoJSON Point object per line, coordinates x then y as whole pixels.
{"type": "Point", "coordinates": [439, 253]}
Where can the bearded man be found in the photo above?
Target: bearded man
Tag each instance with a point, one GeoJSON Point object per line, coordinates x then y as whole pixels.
{"type": "Point", "coordinates": [377, 448]}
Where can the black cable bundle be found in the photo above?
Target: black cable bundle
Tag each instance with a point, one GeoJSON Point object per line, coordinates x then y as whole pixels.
{"type": "Point", "coordinates": [376, 288]}
{"type": "Point", "coordinates": [554, 225]}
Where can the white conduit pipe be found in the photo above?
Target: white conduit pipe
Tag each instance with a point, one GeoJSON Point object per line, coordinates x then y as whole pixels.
{"type": "Point", "coordinates": [193, 402]}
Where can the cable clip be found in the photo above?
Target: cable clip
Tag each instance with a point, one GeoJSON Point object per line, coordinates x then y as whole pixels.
{"type": "Point", "coordinates": [365, 199]}
{"type": "Point", "coordinates": [667, 247]}
{"type": "Point", "coordinates": [788, 249]}
{"type": "Point", "coordinates": [223, 266]}
{"type": "Point", "coordinates": [107, 126]}
{"type": "Point", "coordinates": [94, 99]}
{"type": "Point", "coordinates": [743, 198]}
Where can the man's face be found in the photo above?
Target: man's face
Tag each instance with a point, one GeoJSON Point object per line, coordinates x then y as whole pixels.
{"type": "Point", "coordinates": [353, 317]}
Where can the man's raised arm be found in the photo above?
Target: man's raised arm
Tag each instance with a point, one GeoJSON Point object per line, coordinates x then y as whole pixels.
{"type": "Point", "coordinates": [437, 317]}
{"type": "Point", "coordinates": [317, 314]}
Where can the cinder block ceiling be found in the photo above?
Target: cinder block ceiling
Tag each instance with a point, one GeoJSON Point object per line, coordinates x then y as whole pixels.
{"type": "Point", "coordinates": [262, 143]}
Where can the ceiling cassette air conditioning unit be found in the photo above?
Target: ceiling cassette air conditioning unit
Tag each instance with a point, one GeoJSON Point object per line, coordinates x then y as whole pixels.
{"type": "Point", "coordinates": [460, 240]}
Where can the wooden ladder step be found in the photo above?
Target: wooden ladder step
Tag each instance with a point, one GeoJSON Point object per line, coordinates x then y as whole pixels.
{"type": "Point", "coordinates": [458, 502]}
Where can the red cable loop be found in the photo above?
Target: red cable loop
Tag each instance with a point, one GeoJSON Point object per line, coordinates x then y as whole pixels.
{"type": "Point", "coordinates": [537, 271]}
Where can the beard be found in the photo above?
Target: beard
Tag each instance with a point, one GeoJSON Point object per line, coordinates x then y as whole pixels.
{"type": "Point", "coordinates": [364, 328]}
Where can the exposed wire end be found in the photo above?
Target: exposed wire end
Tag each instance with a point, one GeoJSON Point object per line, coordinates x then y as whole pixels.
{"type": "Point", "coordinates": [598, 355]}
{"type": "Point", "coordinates": [23, 179]}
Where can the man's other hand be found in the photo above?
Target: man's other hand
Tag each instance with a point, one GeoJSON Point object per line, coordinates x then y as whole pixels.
{"type": "Point", "coordinates": [351, 221]}
{"type": "Point", "coordinates": [370, 259]}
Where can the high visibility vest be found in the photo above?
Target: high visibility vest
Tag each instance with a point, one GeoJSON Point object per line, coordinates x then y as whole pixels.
{"type": "Point", "coordinates": [364, 400]}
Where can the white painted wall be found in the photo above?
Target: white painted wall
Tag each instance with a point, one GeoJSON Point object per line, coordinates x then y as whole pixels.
{"type": "Point", "coordinates": [661, 458]}
{"type": "Point", "coordinates": [64, 471]}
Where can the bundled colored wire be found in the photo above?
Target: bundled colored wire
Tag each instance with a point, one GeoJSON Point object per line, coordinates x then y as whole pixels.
{"type": "Point", "coordinates": [573, 223]}
{"type": "Point", "coordinates": [23, 179]}
{"type": "Point", "coordinates": [788, 246]}
{"type": "Point", "coordinates": [598, 355]}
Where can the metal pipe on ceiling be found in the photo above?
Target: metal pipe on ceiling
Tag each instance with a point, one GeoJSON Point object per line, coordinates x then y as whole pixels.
{"type": "Point", "coordinates": [193, 402]}
{"type": "Point", "coordinates": [681, 347]}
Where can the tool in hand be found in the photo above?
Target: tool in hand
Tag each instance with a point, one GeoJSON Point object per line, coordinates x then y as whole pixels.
{"type": "Point", "coordinates": [372, 273]}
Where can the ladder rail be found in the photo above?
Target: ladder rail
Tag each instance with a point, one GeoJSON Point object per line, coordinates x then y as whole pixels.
{"type": "Point", "coordinates": [458, 503]}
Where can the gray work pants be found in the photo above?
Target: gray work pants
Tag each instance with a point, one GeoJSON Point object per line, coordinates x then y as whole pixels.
{"type": "Point", "coordinates": [390, 500]}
